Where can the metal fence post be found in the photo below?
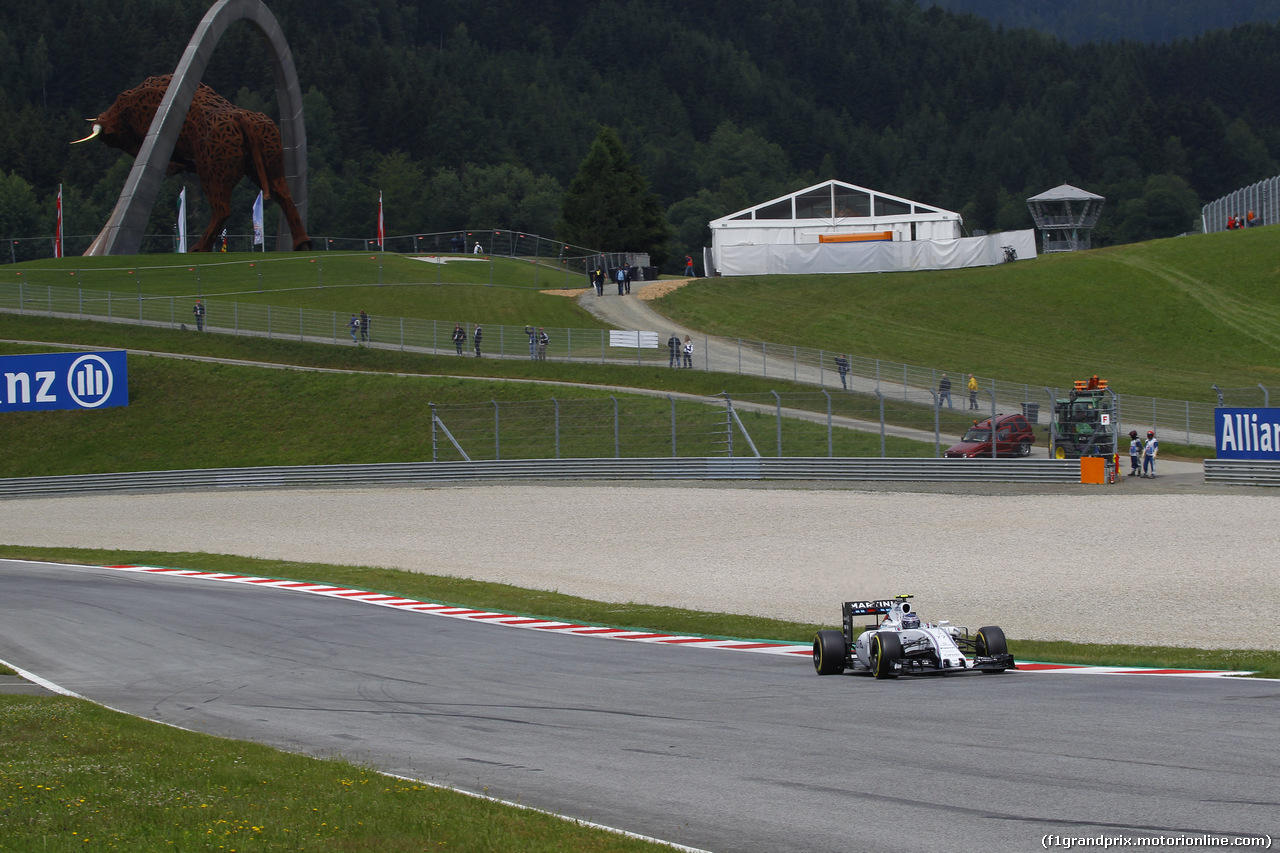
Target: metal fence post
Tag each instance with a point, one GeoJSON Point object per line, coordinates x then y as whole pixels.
{"type": "Point", "coordinates": [778, 403]}
{"type": "Point", "coordinates": [830, 445]}
{"type": "Point", "coordinates": [434, 455]}
{"type": "Point", "coordinates": [728, 421]}
{"type": "Point", "coordinates": [617, 444]}
{"type": "Point", "coordinates": [497, 433]}
{"type": "Point", "coordinates": [992, 392]}
{"type": "Point", "coordinates": [556, 403]}
{"type": "Point", "coordinates": [880, 397]}
{"type": "Point", "coordinates": [937, 423]}
{"type": "Point", "coordinates": [1266, 399]}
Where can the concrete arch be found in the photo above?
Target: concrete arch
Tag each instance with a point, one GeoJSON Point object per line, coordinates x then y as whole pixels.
{"type": "Point", "coordinates": [124, 230]}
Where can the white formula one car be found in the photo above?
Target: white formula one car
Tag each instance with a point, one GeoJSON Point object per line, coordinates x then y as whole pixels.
{"type": "Point", "coordinates": [901, 643]}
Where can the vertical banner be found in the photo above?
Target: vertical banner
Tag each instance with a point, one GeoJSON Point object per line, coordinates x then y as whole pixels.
{"type": "Point", "coordinates": [57, 235]}
{"type": "Point", "coordinates": [258, 239]}
{"type": "Point", "coordinates": [382, 234]}
{"type": "Point", "coordinates": [182, 222]}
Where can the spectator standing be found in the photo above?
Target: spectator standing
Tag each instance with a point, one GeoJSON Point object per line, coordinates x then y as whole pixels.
{"type": "Point", "coordinates": [1135, 453]}
{"type": "Point", "coordinates": [688, 351]}
{"type": "Point", "coordinates": [543, 340]}
{"type": "Point", "coordinates": [459, 337]}
{"type": "Point", "coordinates": [457, 244]}
{"type": "Point", "coordinates": [198, 311]}
{"type": "Point", "coordinates": [354, 327]}
{"type": "Point", "coordinates": [673, 345]}
{"type": "Point", "coordinates": [620, 276]}
{"type": "Point", "coordinates": [533, 342]}
{"type": "Point", "coordinates": [1149, 452]}
{"type": "Point", "coordinates": [842, 366]}
{"type": "Point", "coordinates": [597, 281]}
{"type": "Point", "coordinates": [944, 391]}
{"type": "Point", "coordinates": [688, 266]}
{"type": "Point", "coordinates": [475, 337]}
{"type": "Point", "coordinates": [364, 325]}
{"type": "Point", "coordinates": [478, 250]}
{"type": "Point", "coordinates": [630, 271]}
{"type": "Point", "coordinates": [973, 392]}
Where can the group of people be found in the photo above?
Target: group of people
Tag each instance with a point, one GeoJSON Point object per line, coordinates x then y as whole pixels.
{"type": "Point", "coordinates": [538, 340]}
{"type": "Point", "coordinates": [944, 391]}
{"type": "Point", "coordinates": [1235, 221]}
{"type": "Point", "coordinates": [358, 325]}
{"type": "Point", "coordinates": [460, 338]}
{"type": "Point", "coordinates": [681, 353]}
{"type": "Point", "coordinates": [1146, 452]}
{"type": "Point", "coordinates": [622, 276]}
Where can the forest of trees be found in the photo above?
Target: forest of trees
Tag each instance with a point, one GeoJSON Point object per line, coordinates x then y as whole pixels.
{"type": "Point", "coordinates": [1153, 21]}
{"type": "Point", "coordinates": [480, 115]}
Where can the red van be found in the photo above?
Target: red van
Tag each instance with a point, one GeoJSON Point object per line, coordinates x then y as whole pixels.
{"type": "Point", "coordinates": [1014, 437]}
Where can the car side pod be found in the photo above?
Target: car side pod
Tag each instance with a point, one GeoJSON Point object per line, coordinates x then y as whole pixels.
{"type": "Point", "coordinates": [829, 652]}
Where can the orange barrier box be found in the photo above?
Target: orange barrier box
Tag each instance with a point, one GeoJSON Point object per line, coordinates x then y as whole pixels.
{"type": "Point", "coordinates": [1093, 470]}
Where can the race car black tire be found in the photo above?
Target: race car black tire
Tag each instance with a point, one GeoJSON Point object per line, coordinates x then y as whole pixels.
{"type": "Point", "coordinates": [989, 643]}
{"type": "Point", "coordinates": [829, 652]}
{"type": "Point", "coordinates": [886, 649]}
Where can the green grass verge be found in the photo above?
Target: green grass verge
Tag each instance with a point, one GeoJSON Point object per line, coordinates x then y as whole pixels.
{"type": "Point", "coordinates": [554, 605]}
{"type": "Point", "coordinates": [76, 776]}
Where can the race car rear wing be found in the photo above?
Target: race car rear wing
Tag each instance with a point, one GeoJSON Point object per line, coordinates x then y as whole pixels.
{"type": "Point", "coordinates": [878, 607]}
{"type": "Point", "coordinates": [868, 608]}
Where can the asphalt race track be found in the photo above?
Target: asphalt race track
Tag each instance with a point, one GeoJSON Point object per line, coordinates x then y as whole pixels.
{"type": "Point", "coordinates": [713, 749]}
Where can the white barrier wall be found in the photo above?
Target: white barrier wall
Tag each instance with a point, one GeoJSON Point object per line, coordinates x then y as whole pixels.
{"type": "Point", "coordinates": [889, 256]}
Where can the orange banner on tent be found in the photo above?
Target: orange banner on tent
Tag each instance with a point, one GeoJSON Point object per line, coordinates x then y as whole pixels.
{"type": "Point", "coordinates": [868, 237]}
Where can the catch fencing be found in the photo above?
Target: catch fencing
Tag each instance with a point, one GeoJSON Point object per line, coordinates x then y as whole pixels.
{"type": "Point", "coordinates": [915, 387]}
{"type": "Point", "coordinates": [1263, 198]}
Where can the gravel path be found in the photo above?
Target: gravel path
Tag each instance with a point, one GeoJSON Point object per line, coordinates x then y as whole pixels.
{"type": "Point", "coordinates": [1097, 565]}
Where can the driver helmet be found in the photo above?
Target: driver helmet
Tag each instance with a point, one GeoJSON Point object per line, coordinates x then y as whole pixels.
{"type": "Point", "coordinates": [1151, 433]}
{"type": "Point", "coordinates": [910, 620]}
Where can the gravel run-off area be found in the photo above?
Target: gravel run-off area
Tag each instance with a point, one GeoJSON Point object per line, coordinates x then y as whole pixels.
{"type": "Point", "coordinates": [1199, 570]}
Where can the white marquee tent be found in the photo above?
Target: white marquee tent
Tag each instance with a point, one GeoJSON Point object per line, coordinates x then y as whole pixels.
{"type": "Point", "coordinates": [837, 227]}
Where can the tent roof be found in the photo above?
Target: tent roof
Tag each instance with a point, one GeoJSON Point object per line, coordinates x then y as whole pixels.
{"type": "Point", "coordinates": [1066, 192]}
{"type": "Point", "coordinates": [746, 213]}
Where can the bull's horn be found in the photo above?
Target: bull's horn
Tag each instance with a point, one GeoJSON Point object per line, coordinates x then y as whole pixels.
{"type": "Point", "coordinates": [97, 128]}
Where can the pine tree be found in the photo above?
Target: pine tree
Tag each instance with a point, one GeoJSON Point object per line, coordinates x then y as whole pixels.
{"type": "Point", "coordinates": [609, 206]}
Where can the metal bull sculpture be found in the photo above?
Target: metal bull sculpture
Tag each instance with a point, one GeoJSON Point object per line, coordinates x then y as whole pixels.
{"type": "Point", "coordinates": [220, 142]}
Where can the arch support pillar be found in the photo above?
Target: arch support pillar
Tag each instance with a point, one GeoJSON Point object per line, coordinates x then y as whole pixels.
{"type": "Point", "coordinates": [127, 224]}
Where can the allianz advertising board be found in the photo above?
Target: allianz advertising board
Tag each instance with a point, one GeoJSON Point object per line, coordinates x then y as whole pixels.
{"type": "Point", "coordinates": [1247, 433]}
{"type": "Point", "coordinates": [63, 380]}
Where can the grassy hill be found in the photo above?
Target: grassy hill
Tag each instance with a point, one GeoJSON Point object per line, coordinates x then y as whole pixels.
{"type": "Point", "coordinates": [1167, 318]}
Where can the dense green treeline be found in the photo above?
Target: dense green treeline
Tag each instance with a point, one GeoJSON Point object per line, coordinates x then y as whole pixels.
{"type": "Point", "coordinates": [1154, 21]}
{"type": "Point", "coordinates": [480, 115]}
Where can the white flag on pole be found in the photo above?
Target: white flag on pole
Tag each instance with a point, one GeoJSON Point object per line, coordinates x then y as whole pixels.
{"type": "Point", "coordinates": [57, 238]}
{"type": "Point", "coordinates": [182, 222]}
{"type": "Point", "coordinates": [258, 238]}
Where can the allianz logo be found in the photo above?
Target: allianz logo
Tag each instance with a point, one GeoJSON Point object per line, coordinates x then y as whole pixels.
{"type": "Point", "coordinates": [89, 382]}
